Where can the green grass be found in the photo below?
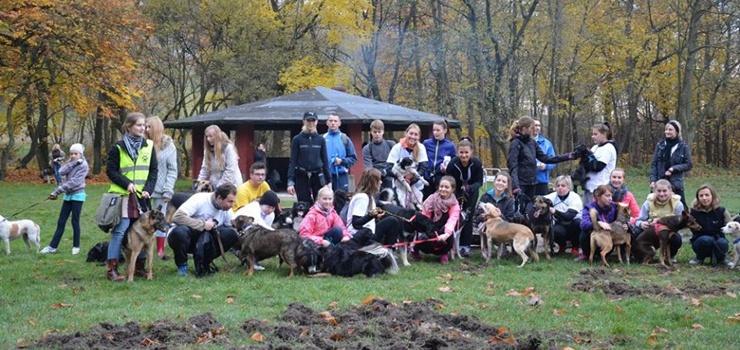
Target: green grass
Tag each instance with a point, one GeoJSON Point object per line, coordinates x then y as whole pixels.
{"type": "Point", "coordinates": [31, 284]}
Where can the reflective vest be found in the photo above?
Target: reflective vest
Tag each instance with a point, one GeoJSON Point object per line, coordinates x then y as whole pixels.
{"type": "Point", "coordinates": [137, 172]}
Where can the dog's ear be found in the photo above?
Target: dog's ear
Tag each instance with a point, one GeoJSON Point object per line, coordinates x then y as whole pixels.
{"type": "Point", "coordinates": [548, 201]}
{"type": "Point", "coordinates": [159, 208]}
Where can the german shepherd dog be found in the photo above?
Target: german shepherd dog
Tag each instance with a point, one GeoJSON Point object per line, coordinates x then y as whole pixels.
{"type": "Point", "coordinates": [359, 255]}
{"type": "Point", "coordinates": [540, 220]}
{"type": "Point", "coordinates": [416, 226]}
{"type": "Point", "coordinates": [141, 236]}
{"type": "Point", "coordinates": [659, 233]}
{"type": "Point", "coordinates": [257, 243]}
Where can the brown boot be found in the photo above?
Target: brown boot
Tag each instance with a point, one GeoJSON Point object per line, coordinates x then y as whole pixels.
{"type": "Point", "coordinates": [139, 269]}
{"type": "Point", "coordinates": [113, 271]}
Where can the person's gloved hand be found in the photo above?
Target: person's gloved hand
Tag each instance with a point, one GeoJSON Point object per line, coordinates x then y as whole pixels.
{"type": "Point", "coordinates": [52, 196]}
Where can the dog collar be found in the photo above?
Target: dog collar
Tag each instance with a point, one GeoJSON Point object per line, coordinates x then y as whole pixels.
{"type": "Point", "coordinates": [736, 241]}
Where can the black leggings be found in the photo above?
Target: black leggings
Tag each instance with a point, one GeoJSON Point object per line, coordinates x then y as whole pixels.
{"type": "Point", "coordinates": [562, 233]}
{"type": "Point", "coordinates": [307, 189]}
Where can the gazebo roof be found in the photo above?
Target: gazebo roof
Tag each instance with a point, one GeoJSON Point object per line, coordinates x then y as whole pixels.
{"type": "Point", "coordinates": [288, 110]}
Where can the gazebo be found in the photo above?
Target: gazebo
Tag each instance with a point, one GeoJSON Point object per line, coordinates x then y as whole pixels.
{"type": "Point", "coordinates": [286, 113]}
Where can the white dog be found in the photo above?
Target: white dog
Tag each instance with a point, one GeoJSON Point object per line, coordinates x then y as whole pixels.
{"type": "Point", "coordinates": [733, 229]}
{"type": "Point", "coordinates": [10, 230]}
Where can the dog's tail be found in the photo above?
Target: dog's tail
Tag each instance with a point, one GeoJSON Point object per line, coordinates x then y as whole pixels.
{"type": "Point", "coordinates": [383, 253]}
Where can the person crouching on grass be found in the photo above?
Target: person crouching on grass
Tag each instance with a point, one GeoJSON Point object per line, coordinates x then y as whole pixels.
{"type": "Point", "coordinates": [73, 188]}
{"type": "Point", "coordinates": [322, 224]}
{"type": "Point", "coordinates": [442, 207]}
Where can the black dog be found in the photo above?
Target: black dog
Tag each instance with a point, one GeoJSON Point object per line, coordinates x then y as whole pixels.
{"type": "Point", "coordinates": [99, 254]}
{"type": "Point", "coordinates": [579, 176]}
{"type": "Point", "coordinates": [359, 255]}
{"type": "Point", "coordinates": [416, 226]}
{"type": "Point", "coordinates": [308, 256]}
{"type": "Point", "coordinates": [341, 198]}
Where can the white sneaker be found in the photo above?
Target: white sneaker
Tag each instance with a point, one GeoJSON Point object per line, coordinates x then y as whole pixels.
{"type": "Point", "coordinates": [75, 251]}
{"type": "Point", "coordinates": [48, 250]}
{"type": "Point", "coordinates": [258, 267]}
{"type": "Point", "coordinates": [694, 261]}
{"type": "Point", "coordinates": [729, 264]}
{"type": "Point", "coordinates": [674, 261]}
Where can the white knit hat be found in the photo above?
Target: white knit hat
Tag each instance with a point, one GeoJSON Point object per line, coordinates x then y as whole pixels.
{"type": "Point", "coordinates": [77, 148]}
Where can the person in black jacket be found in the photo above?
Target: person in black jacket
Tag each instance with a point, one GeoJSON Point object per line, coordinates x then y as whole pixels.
{"type": "Point", "coordinates": [672, 158]}
{"type": "Point", "coordinates": [467, 171]}
{"type": "Point", "coordinates": [308, 169]}
{"type": "Point", "coordinates": [523, 156]}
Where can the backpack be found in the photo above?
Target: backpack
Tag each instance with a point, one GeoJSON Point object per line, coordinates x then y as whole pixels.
{"type": "Point", "coordinates": [109, 211]}
{"type": "Point", "coordinates": [205, 252]}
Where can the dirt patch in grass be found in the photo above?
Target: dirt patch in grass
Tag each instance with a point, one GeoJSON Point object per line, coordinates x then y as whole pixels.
{"type": "Point", "coordinates": [616, 285]}
{"type": "Point", "coordinates": [374, 324]}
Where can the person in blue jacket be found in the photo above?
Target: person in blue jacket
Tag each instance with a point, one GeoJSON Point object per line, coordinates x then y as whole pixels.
{"type": "Point", "coordinates": [340, 152]}
{"type": "Point", "coordinates": [440, 150]}
{"type": "Point", "coordinates": [542, 187]}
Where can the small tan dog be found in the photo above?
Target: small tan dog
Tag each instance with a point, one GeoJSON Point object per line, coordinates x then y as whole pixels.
{"type": "Point", "coordinates": [620, 234]}
{"type": "Point", "coordinates": [497, 229]}
{"type": "Point", "coordinates": [600, 238]}
{"type": "Point", "coordinates": [203, 186]}
{"type": "Point", "coordinates": [10, 230]}
{"type": "Point", "coordinates": [733, 229]}
{"type": "Point", "coordinates": [141, 236]}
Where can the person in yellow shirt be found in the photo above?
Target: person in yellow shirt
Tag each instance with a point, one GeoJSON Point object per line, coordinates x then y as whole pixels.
{"type": "Point", "coordinates": [254, 188]}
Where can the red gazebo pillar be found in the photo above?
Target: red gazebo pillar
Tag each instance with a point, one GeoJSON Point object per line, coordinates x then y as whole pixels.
{"type": "Point", "coordinates": [196, 153]}
{"type": "Point", "coordinates": [354, 131]}
{"type": "Point", "coordinates": [245, 147]}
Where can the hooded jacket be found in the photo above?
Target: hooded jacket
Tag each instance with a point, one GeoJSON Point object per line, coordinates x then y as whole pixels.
{"type": "Point", "coordinates": [317, 222]}
{"type": "Point", "coordinates": [167, 167]}
{"type": "Point", "coordinates": [308, 153]}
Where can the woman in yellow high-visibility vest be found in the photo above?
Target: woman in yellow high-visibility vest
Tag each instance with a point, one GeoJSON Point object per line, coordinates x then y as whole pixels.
{"type": "Point", "coordinates": [132, 167]}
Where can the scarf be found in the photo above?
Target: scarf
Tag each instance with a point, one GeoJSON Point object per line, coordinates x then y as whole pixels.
{"type": "Point", "coordinates": [669, 144]}
{"type": "Point", "coordinates": [618, 194]}
{"type": "Point", "coordinates": [438, 206]}
{"type": "Point", "coordinates": [133, 144]}
{"type": "Point", "coordinates": [410, 149]}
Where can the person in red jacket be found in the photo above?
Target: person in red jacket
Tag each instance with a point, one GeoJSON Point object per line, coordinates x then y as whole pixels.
{"type": "Point", "coordinates": [322, 224]}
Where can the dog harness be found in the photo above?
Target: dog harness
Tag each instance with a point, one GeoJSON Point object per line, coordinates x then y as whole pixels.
{"type": "Point", "coordinates": [659, 227]}
{"type": "Point", "coordinates": [736, 241]}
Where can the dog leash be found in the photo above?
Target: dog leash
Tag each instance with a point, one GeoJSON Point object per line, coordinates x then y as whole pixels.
{"type": "Point", "coordinates": [396, 216]}
{"type": "Point", "coordinates": [29, 207]}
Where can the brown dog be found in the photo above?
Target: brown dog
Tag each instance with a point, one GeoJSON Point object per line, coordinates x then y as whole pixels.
{"type": "Point", "coordinates": [497, 229]}
{"type": "Point", "coordinates": [140, 237]}
{"type": "Point", "coordinates": [203, 186]}
{"type": "Point", "coordinates": [258, 243]}
{"type": "Point", "coordinates": [658, 234]}
{"type": "Point", "coordinates": [620, 234]}
{"type": "Point", "coordinates": [599, 238]}
{"type": "Point", "coordinates": [540, 219]}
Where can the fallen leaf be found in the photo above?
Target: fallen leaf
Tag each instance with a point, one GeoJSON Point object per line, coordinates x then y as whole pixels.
{"type": "Point", "coordinates": [258, 337]}
{"type": "Point", "coordinates": [406, 302]}
{"type": "Point", "coordinates": [575, 303]}
{"type": "Point", "coordinates": [31, 322]}
{"type": "Point", "coordinates": [446, 277]}
{"type": "Point", "coordinates": [445, 289]}
{"type": "Point", "coordinates": [137, 303]}
{"type": "Point", "coordinates": [568, 348]}
{"type": "Point", "coordinates": [652, 338]}
{"type": "Point", "coordinates": [369, 299]}
{"type": "Point", "coordinates": [337, 337]}
{"type": "Point", "coordinates": [731, 295]}
{"type": "Point", "coordinates": [333, 305]}
{"type": "Point", "coordinates": [695, 302]}
{"type": "Point", "coordinates": [501, 330]}
{"type": "Point", "coordinates": [697, 326]}
{"type": "Point", "coordinates": [509, 340]}
{"type": "Point", "coordinates": [558, 312]}
{"type": "Point", "coordinates": [534, 301]}
{"type": "Point", "coordinates": [229, 299]}
{"type": "Point", "coordinates": [733, 319]}
{"type": "Point", "coordinates": [147, 342]}
{"type": "Point", "coordinates": [196, 296]}
{"type": "Point", "coordinates": [61, 305]}
{"type": "Point", "coordinates": [618, 308]}
{"type": "Point", "coordinates": [304, 333]}
{"type": "Point", "coordinates": [661, 329]}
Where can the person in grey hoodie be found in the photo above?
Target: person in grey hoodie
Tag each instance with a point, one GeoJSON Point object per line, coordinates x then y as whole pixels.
{"type": "Point", "coordinates": [167, 174]}
{"type": "Point", "coordinates": [73, 187]}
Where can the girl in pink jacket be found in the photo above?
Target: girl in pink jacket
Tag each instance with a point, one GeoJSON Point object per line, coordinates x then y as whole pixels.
{"type": "Point", "coordinates": [443, 209]}
{"type": "Point", "coordinates": [322, 224]}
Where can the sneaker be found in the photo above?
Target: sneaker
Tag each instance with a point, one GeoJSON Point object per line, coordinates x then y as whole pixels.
{"type": "Point", "coordinates": [182, 270]}
{"type": "Point", "coordinates": [258, 267]}
{"type": "Point", "coordinates": [415, 255]}
{"type": "Point", "coordinates": [581, 257]}
{"type": "Point", "coordinates": [694, 261]}
{"type": "Point", "coordinates": [48, 250]}
{"type": "Point", "coordinates": [465, 252]}
{"type": "Point", "coordinates": [729, 264]}
{"type": "Point", "coordinates": [574, 251]}
{"type": "Point", "coordinates": [444, 260]}
{"type": "Point", "coordinates": [75, 250]}
{"type": "Point", "coordinates": [674, 261]}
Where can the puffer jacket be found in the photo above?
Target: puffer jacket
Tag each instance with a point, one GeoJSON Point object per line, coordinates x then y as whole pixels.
{"type": "Point", "coordinates": [167, 166]}
{"type": "Point", "coordinates": [317, 222]}
{"type": "Point", "coordinates": [680, 162]}
{"type": "Point", "coordinates": [74, 173]}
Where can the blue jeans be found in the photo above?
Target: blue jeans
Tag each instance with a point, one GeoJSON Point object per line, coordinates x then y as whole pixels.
{"type": "Point", "coordinates": [116, 239]}
{"type": "Point", "coordinates": [340, 182]}
{"type": "Point", "coordinates": [75, 208]}
{"type": "Point", "coordinates": [707, 246]}
{"type": "Point", "coordinates": [57, 177]}
{"type": "Point", "coordinates": [334, 235]}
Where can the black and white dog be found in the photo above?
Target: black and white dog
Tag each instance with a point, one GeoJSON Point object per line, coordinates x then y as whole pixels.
{"type": "Point", "coordinates": [359, 255]}
{"type": "Point", "coordinates": [406, 174]}
{"type": "Point", "coordinates": [292, 218]}
{"type": "Point", "coordinates": [416, 226]}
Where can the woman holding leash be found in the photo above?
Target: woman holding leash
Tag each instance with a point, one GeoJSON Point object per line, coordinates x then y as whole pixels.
{"type": "Point", "coordinates": [444, 210]}
{"type": "Point", "coordinates": [360, 213]}
{"type": "Point", "coordinates": [167, 171]}
{"type": "Point", "coordinates": [410, 147]}
{"type": "Point", "coordinates": [672, 158]}
{"type": "Point", "coordinates": [220, 159]}
{"type": "Point", "coordinates": [663, 202]}
{"type": "Point", "coordinates": [524, 154]}
{"type": "Point", "coordinates": [132, 168]}
{"type": "Point", "coordinates": [606, 211]}
{"type": "Point", "coordinates": [467, 171]}
{"type": "Point", "coordinates": [710, 241]}
{"type": "Point", "coordinates": [74, 172]}
{"type": "Point", "coordinates": [566, 210]}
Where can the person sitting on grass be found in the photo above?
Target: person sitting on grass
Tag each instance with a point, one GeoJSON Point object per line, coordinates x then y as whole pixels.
{"type": "Point", "coordinates": [710, 241]}
{"type": "Point", "coordinates": [322, 224]}
{"type": "Point", "coordinates": [606, 213]}
{"type": "Point", "coordinates": [663, 202]}
{"type": "Point", "coordinates": [566, 210]}
{"type": "Point", "coordinates": [621, 194]}
{"type": "Point", "coordinates": [442, 207]}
